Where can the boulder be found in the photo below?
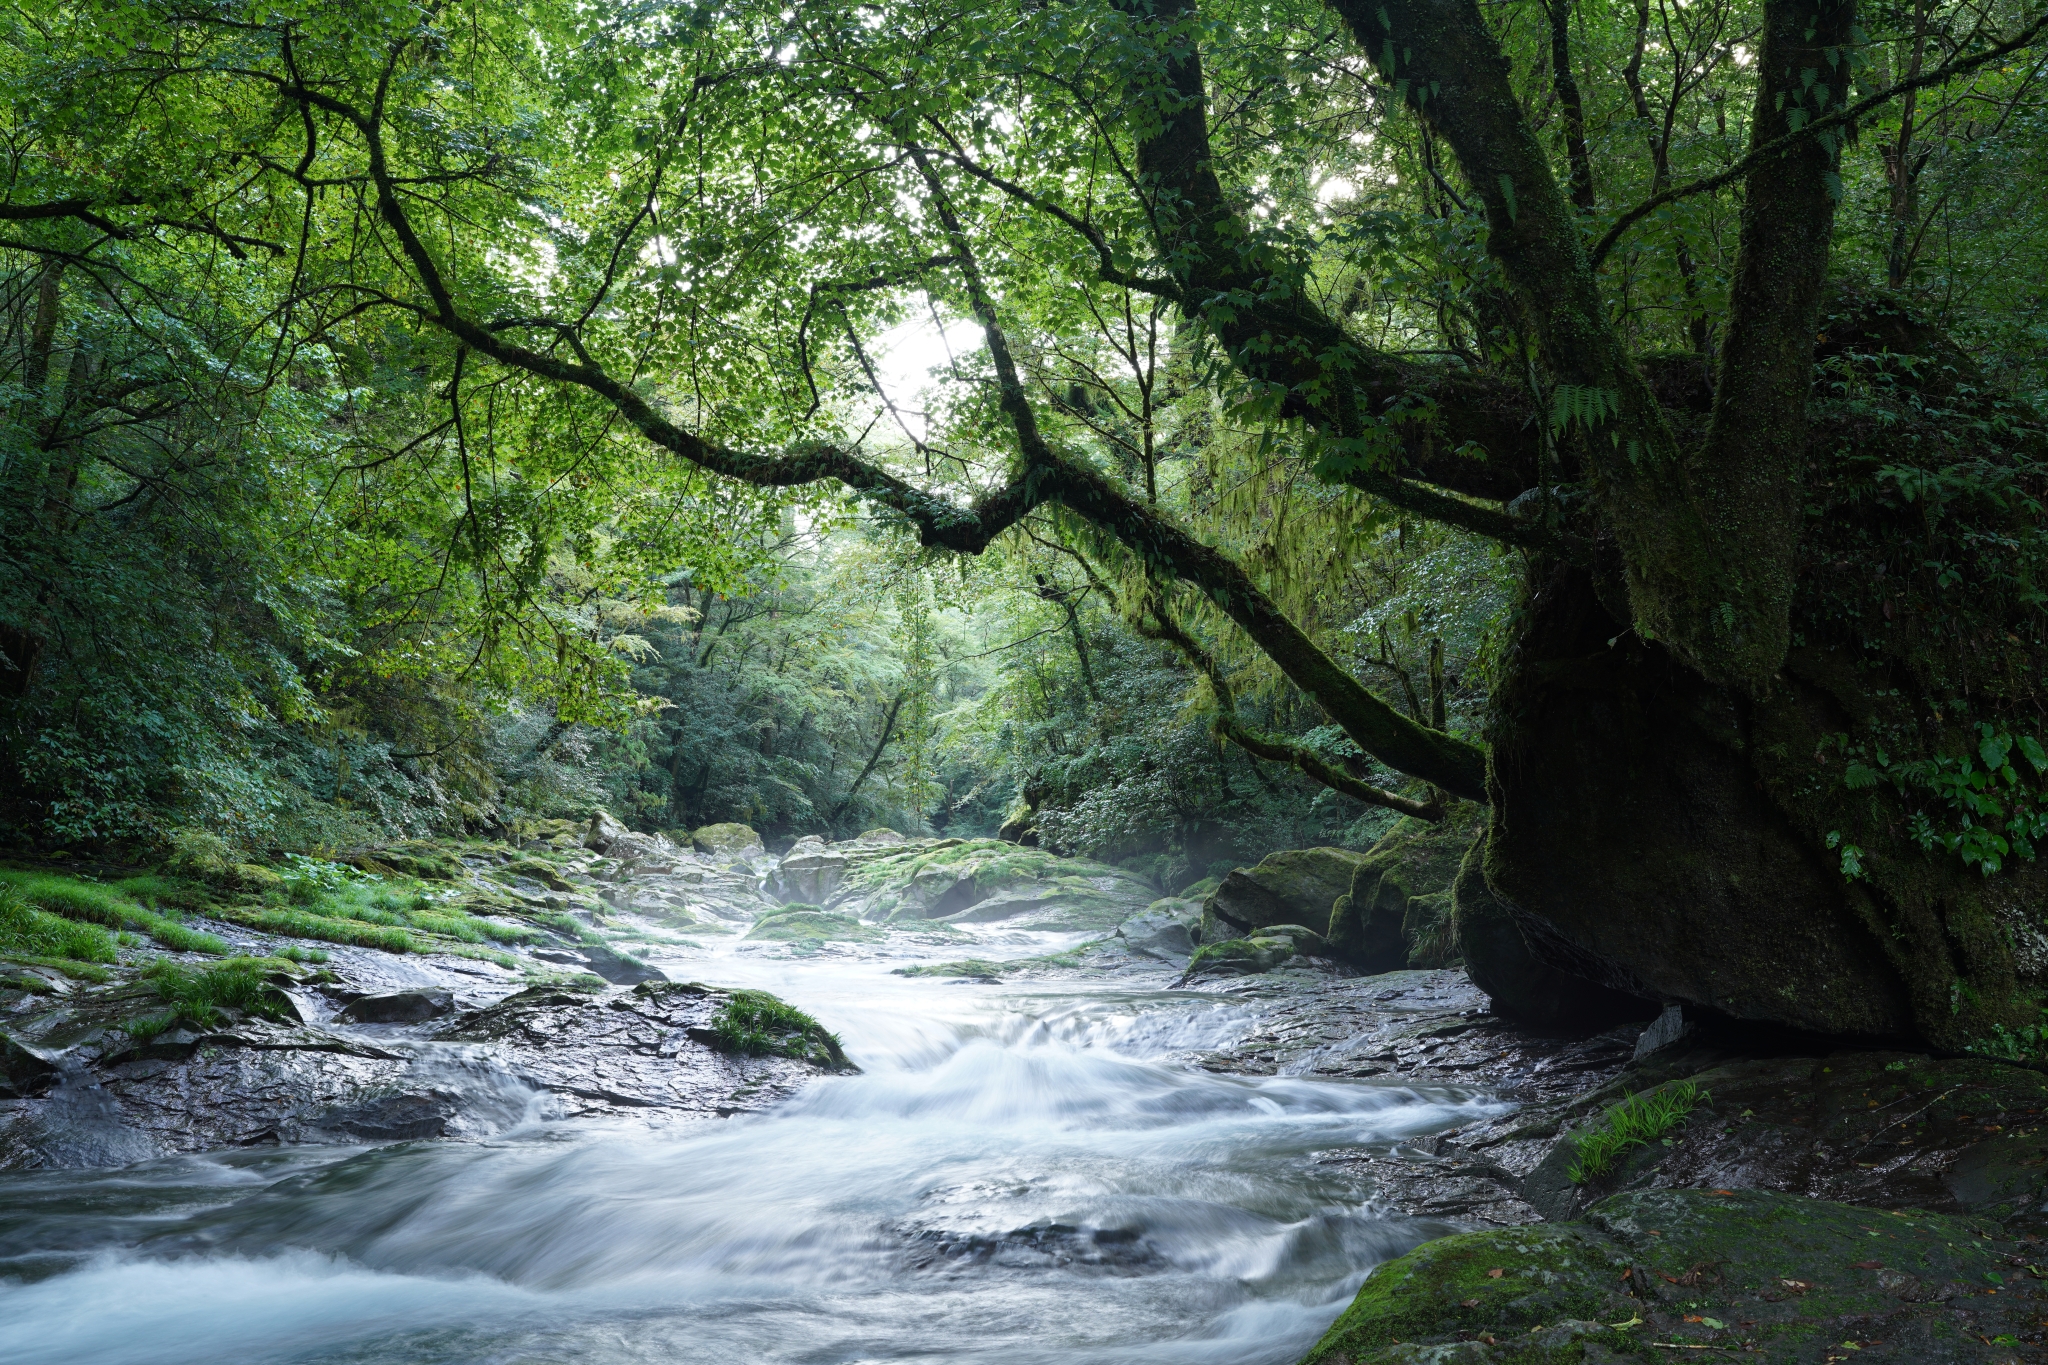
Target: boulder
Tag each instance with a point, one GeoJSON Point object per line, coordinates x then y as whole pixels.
{"type": "Point", "coordinates": [1379, 925]}
{"type": "Point", "coordinates": [1520, 984]}
{"type": "Point", "coordinates": [603, 830]}
{"type": "Point", "coordinates": [1266, 949]}
{"type": "Point", "coordinates": [725, 839]}
{"type": "Point", "coordinates": [1165, 929]}
{"type": "Point", "coordinates": [1296, 886]}
{"type": "Point", "coordinates": [810, 871]}
{"type": "Point", "coordinates": [397, 1007]}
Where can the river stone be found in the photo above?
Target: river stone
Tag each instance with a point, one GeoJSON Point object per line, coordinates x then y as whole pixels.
{"type": "Point", "coordinates": [399, 1007]}
{"type": "Point", "coordinates": [1165, 928]}
{"type": "Point", "coordinates": [1295, 886]}
{"type": "Point", "coordinates": [1779, 1277]}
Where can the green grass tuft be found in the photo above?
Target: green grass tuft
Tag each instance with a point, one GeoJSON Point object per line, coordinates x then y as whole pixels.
{"type": "Point", "coordinates": [756, 1024]}
{"type": "Point", "coordinates": [93, 903]}
{"type": "Point", "coordinates": [1637, 1121]}
{"type": "Point", "coordinates": [28, 932]}
{"type": "Point", "coordinates": [201, 994]}
{"type": "Point", "coordinates": [304, 924]}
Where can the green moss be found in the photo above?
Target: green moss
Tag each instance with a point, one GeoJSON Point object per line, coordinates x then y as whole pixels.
{"type": "Point", "coordinates": [757, 1024]}
{"type": "Point", "coordinates": [1508, 1279]}
{"type": "Point", "coordinates": [1676, 1271]}
{"type": "Point", "coordinates": [796, 922]}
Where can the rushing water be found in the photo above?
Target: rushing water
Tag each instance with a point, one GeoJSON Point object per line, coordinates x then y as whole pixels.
{"type": "Point", "coordinates": [1019, 1174]}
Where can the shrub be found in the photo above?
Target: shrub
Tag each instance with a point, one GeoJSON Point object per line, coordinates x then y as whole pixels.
{"type": "Point", "coordinates": [1636, 1122]}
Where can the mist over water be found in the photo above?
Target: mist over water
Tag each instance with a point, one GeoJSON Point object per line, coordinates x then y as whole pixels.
{"type": "Point", "coordinates": [1025, 1174]}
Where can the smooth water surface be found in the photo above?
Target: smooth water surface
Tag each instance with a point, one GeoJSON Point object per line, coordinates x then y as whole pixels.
{"type": "Point", "coordinates": [1019, 1174]}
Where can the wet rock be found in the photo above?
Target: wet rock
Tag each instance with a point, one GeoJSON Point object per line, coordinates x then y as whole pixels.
{"type": "Point", "coordinates": [25, 1068]}
{"type": "Point", "coordinates": [1165, 929]}
{"type": "Point", "coordinates": [398, 1007]}
{"type": "Point", "coordinates": [78, 1127]}
{"type": "Point", "coordinates": [1886, 1129]}
{"type": "Point", "coordinates": [390, 1118]}
{"type": "Point", "coordinates": [645, 1048]}
{"type": "Point", "coordinates": [1669, 1271]}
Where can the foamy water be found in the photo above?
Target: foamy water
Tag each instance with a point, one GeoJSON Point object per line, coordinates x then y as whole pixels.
{"type": "Point", "coordinates": [1019, 1174]}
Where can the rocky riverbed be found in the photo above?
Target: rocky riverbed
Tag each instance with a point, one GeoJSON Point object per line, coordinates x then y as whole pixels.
{"type": "Point", "coordinates": [1806, 1203]}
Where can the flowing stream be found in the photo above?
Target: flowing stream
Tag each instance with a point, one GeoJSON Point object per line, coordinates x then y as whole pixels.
{"type": "Point", "coordinates": [1021, 1173]}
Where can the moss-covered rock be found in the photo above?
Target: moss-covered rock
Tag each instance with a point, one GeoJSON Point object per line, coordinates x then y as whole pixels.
{"type": "Point", "coordinates": [983, 881]}
{"type": "Point", "coordinates": [1262, 952]}
{"type": "Point", "coordinates": [795, 923]}
{"type": "Point", "coordinates": [1295, 886]}
{"type": "Point", "coordinates": [1661, 1273]}
{"type": "Point", "coordinates": [1376, 926]}
{"type": "Point", "coordinates": [727, 838]}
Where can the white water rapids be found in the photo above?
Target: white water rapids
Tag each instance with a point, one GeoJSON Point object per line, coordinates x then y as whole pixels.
{"type": "Point", "coordinates": [1021, 1173]}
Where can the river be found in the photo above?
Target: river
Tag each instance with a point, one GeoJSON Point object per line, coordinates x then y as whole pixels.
{"type": "Point", "coordinates": [1026, 1173]}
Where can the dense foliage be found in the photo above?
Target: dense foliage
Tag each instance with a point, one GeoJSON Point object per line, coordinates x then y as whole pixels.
{"type": "Point", "coordinates": [435, 416]}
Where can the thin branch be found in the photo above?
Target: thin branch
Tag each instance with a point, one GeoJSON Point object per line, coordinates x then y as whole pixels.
{"type": "Point", "coordinates": [1776, 146]}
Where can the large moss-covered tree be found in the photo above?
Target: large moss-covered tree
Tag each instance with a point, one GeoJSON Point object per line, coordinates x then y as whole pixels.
{"type": "Point", "coordinates": [1769, 714]}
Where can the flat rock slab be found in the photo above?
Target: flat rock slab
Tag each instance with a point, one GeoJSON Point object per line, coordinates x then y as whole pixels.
{"type": "Point", "coordinates": [1427, 1029]}
{"type": "Point", "coordinates": [1686, 1274]}
{"type": "Point", "coordinates": [646, 1048]}
{"type": "Point", "coordinates": [1889, 1129]}
{"type": "Point", "coordinates": [554, 1051]}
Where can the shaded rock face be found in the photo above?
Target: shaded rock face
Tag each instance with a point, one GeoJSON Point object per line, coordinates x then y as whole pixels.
{"type": "Point", "coordinates": [1296, 886]}
{"type": "Point", "coordinates": [1396, 912]}
{"type": "Point", "coordinates": [1674, 837]}
{"type": "Point", "coordinates": [1519, 984]}
{"type": "Point", "coordinates": [1665, 1273]}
